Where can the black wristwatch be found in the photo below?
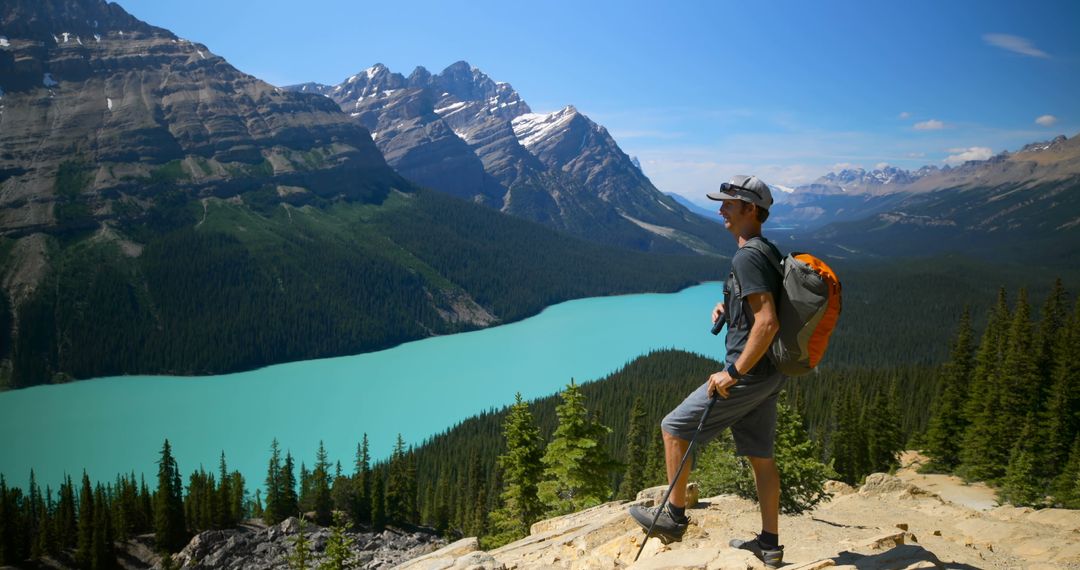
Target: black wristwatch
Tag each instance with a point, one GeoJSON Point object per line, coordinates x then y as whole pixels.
{"type": "Point", "coordinates": [734, 372]}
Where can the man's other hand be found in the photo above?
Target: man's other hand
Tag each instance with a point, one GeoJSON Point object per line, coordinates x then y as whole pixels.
{"type": "Point", "coordinates": [718, 312]}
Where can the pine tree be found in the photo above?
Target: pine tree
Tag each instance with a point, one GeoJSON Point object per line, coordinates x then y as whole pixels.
{"type": "Point", "coordinates": [237, 493]}
{"type": "Point", "coordinates": [290, 503]}
{"type": "Point", "coordinates": [6, 527]}
{"type": "Point", "coordinates": [634, 477]}
{"type": "Point", "coordinates": [948, 422]}
{"type": "Point", "coordinates": [1061, 418]}
{"type": "Point", "coordinates": [884, 440]}
{"type": "Point", "coordinates": [378, 502]}
{"type": "Point", "coordinates": [802, 475]}
{"type": "Point", "coordinates": [1020, 486]}
{"type": "Point", "coordinates": [274, 511]}
{"type": "Point", "coordinates": [301, 554]}
{"type": "Point", "coordinates": [85, 541]}
{"type": "Point", "coordinates": [850, 446]}
{"type": "Point", "coordinates": [339, 555]}
{"type": "Point", "coordinates": [320, 483]}
{"type": "Point", "coordinates": [33, 515]}
{"type": "Point", "coordinates": [1019, 390]}
{"type": "Point", "coordinates": [102, 555]}
{"type": "Point", "coordinates": [981, 456]}
{"type": "Point", "coordinates": [257, 510]}
{"type": "Point", "coordinates": [223, 505]}
{"type": "Point", "coordinates": [1064, 489]}
{"type": "Point", "coordinates": [577, 465]}
{"type": "Point", "coordinates": [655, 466]}
{"type": "Point", "coordinates": [169, 525]}
{"type": "Point", "coordinates": [361, 509]}
{"type": "Point", "coordinates": [307, 497]}
{"type": "Point", "coordinates": [521, 469]}
{"type": "Point", "coordinates": [1052, 321]}
{"type": "Point", "coordinates": [46, 539]}
{"type": "Point", "coordinates": [66, 528]}
{"type": "Point", "coordinates": [400, 486]}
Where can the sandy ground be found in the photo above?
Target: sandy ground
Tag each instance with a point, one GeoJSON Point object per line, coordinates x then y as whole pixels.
{"type": "Point", "coordinates": [953, 489]}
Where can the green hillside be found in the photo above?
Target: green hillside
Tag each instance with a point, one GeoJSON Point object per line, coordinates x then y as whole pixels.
{"type": "Point", "coordinates": [220, 285]}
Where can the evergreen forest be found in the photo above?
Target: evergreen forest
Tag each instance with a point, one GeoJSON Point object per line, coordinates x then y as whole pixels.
{"type": "Point", "coordinates": [1002, 406]}
{"type": "Point", "coordinates": [206, 288]}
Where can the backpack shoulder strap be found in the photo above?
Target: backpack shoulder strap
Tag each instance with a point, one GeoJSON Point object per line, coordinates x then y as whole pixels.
{"type": "Point", "coordinates": [766, 249]}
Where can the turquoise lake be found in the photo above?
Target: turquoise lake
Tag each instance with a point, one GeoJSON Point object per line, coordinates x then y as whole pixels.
{"type": "Point", "coordinates": [418, 389]}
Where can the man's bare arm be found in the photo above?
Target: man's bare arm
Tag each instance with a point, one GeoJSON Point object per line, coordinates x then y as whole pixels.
{"type": "Point", "coordinates": [765, 327]}
{"type": "Point", "coordinates": [762, 332]}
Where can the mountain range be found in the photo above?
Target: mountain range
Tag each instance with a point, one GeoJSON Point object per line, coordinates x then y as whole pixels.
{"type": "Point", "coordinates": [163, 212]}
{"type": "Point", "coordinates": [460, 132]}
{"type": "Point", "coordinates": [1018, 205]}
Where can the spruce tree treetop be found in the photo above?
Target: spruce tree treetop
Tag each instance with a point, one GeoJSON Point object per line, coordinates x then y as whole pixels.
{"type": "Point", "coordinates": [521, 469]}
{"type": "Point", "coordinates": [577, 464]}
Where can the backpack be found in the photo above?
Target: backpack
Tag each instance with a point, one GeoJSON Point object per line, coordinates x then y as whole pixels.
{"type": "Point", "coordinates": [808, 308]}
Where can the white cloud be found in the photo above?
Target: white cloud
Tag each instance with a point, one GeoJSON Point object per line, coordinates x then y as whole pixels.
{"type": "Point", "coordinates": [916, 155]}
{"type": "Point", "coordinates": [904, 115]}
{"type": "Point", "coordinates": [844, 166]}
{"type": "Point", "coordinates": [1046, 120]}
{"type": "Point", "coordinates": [965, 154]}
{"type": "Point", "coordinates": [931, 125]}
{"type": "Point", "coordinates": [1016, 44]}
{"type": "Point", "coordinates": [881, 165]}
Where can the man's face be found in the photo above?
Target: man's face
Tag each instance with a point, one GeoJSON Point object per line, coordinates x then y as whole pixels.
{"type": "Point", "coordinates": [735, 214]}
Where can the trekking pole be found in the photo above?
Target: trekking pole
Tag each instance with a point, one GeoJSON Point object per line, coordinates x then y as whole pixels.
{"type": "Point", "coordinates": [667, 495]}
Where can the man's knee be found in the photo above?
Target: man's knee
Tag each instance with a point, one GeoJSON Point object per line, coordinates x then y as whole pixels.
{"type": "Point", "coordinates": [762, 463]}
{"type": "Point", "coordinates": [668, 437]}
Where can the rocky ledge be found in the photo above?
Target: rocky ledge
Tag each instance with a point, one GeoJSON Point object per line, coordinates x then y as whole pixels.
{"type": "Point", "coordinates": [890, 522]}
{"type": "Point", "coordinates": [252, 546]}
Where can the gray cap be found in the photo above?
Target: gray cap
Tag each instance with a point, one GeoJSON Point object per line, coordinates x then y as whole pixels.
{"type": "Point", "coordinates": [746, 188]}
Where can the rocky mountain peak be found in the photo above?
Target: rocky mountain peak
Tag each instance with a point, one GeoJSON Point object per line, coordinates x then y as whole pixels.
{"type": "Point", "coordinates": [420, 77]}
{"type": "Point", "coordinates": [1044, 145]}
{"type": "Point", "coordinates": [465, 82]}
{"type": "Point", "coordinates": [50, 20]}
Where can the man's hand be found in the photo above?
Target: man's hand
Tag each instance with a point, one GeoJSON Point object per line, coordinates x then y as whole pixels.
{"type": "Point", "coordinates": [718, 312]}
{"type": "Point", "coordinates": [719, 383]}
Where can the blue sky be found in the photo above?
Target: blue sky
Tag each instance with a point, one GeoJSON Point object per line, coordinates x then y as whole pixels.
{"type": "Point", "coordinates": [700, 91]}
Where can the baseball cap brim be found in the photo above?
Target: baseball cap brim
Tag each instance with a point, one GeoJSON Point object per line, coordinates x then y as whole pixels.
{"type": "Point", "coordinates": [723, 195]}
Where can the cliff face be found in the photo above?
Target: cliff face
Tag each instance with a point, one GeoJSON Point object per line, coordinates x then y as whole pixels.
{"type": "Point", "coordinates": [890, 522]}
{"type": "Point", "coordinates": [129, 107]}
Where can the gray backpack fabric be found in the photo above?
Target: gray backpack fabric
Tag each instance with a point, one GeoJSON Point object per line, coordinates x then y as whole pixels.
{"type": "Point", "coordinates": [808, 308]}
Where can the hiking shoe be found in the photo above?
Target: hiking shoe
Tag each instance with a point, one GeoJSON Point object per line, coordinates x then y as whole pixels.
{"type": "Point", "coordinates": [667, 528]}
{"type": "Point", "coordinates": [771, 558]}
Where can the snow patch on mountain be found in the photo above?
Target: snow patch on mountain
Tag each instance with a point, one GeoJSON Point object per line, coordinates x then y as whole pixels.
{"type": "Point", "coordinates": [531, 128]}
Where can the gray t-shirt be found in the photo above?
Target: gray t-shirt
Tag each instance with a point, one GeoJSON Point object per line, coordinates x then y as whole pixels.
{"type": "Point", "coordinates": [751, 270]}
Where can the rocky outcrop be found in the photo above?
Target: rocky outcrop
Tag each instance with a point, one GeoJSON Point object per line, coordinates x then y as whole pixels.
{"type": "Point", "coordinates": [255, 546]}
{"type": "Point", "coordinates": [889, 522]}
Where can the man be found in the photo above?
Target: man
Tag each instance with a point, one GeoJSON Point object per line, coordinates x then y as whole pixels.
{"type": "Point", "coordinates": [747, 389]}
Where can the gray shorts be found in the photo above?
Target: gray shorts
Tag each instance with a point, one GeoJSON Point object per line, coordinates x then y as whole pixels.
{"type": "Point", "coordinates": [749, 410]}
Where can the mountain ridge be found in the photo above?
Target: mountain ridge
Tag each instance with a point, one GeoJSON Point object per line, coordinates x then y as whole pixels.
{"type": "Point", "coordinates": [463, 133]}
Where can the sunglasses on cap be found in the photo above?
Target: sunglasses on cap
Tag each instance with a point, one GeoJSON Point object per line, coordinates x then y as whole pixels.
{"type": "Point", "coordinates": [727, 186]}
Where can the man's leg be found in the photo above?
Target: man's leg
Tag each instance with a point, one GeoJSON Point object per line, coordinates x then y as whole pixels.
{"type": "Point", "coordinates": [674, 450]}
{"type": "Point", "coordinates": [767, 479]}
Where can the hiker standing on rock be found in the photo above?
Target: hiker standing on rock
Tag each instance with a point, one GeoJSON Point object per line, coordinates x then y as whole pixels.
{"type": "Point", "coordinates": [747, 389]}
